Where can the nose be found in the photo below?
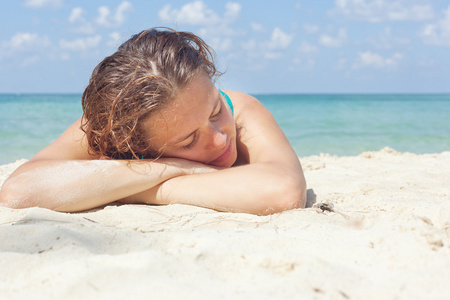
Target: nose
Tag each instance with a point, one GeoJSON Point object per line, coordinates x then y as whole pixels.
{"type": "Point", "coordinates": [218, 138]}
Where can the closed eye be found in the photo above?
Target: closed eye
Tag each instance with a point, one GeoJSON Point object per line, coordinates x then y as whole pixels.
{"type": "Point", "coordinates": [191, 144]}
{"type": "Point", "coordinates": [217, 114]}
{"type": "Point", "coordinates": [214, 116]}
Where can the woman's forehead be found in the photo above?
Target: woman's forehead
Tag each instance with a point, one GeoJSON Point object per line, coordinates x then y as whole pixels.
{"type": "Point", "coordinates": [184, 114]}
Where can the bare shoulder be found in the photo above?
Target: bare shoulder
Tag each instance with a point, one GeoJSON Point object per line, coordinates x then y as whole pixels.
{"type": "Point", "coordinates": [71, 145]}
{"type": "Point", "coordinates": [259, 132]}
{"type": "Point", "coordinates": [249, 111]}
{"type": "Point", "coordinates": [242, 101]}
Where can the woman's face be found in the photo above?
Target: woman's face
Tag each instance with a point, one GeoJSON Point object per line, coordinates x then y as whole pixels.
{"type": "Point", "coordinates": [198, 125]}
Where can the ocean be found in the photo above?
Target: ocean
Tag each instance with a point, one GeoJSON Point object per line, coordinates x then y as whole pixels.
{"type": "Point", "coordinates": [337, 124]}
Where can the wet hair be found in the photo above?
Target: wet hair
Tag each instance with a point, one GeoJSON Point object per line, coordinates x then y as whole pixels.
{"type": "Point", "coordinates": [143, 76]}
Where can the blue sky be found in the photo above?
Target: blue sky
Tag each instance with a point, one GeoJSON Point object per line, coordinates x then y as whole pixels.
{"type": "Point", "coordinates": [341, 46]}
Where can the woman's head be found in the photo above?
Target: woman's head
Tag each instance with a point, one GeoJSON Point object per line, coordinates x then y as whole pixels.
{"type": "Point", "coordinates": [143, 77]}
{"type": "Point", "coordinates": [198, 125]}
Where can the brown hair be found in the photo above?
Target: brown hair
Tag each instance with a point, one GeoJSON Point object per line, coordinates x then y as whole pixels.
{"type": "Point", "coordinates": [145, 73]}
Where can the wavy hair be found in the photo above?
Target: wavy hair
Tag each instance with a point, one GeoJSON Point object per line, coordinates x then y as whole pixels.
{"type": "Point", "coordinates": [141, 77]}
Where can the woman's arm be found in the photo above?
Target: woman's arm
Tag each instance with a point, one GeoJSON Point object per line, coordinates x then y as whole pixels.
{"type": "Point", "coordinates": [272, 181]}
{"type": "Point", "coordinates": [64, 177]}
{"type": "Point", "coordinates": [259, 189]}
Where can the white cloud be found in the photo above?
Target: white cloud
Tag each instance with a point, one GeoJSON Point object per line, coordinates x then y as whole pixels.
{"type": "Point", "coordinates": [279, 39]}
{"type": "Point", "coordinates": [270, 50]}
{"type": "Point", "coordinates": [373, 60]}
{"type": "Point", "coordinates": [22, 40]}
{"type": "Point", "coordinates": [258, 51]}
{"type": "Point", "coordinates": [107, 19]}
{"type": "Point", "coordinates": [250, 45]}
{"type": "Point", "coordinates": [306, 48]}
{"type": "Point", "coordinates": [221, 44]}
{"type": "Point", "coordinates": [232, 11]}
{"type": "Point", "coordinates": [194, 13]}
{"type": "Point", "coordinates": [63, 56]}
{"type": "Point", "coordinates": [76, 15]}
{"type": "Point", "coordinates": [30, 60]}
{"type": "Point", "coordinates": [329, 41]}
{"type": "Point", "coordinates": [428, 63]}
{"type": "Point", "coordinates": [383, 10]}
{"type": "Point", "coordinates": [25, 42]}
{"type": "Point", "coordinates": [115, 40]}
{"type": "Point", "coordinates": [302, 64]}
{"type": "Point", "coordinates": [310, 28]}
{"type": "Point", "coordinates": [438, 33]}
{"type": "Point", "coordinates": [257, 27]}
{"type": "Point", "coordinates": [81, 44]}
{"type": "Point", "coordinates": [304, 58]}
{"type": "Point", "coordinates": [273, 55]}
{"type": "Point", "coordinates": [387, 41]}
{"type": "Point", "coordinates": [81, 25]}
{"type": "Point", "coordinates": [43, 3]}
{"type": "Point", "coordinates": [198, 14]}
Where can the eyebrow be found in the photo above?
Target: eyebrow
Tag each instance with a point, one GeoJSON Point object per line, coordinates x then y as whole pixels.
{"type": "Point", "coordinates": [193, 132]}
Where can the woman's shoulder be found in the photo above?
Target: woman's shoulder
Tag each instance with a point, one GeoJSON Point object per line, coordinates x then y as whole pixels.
{"type": "Point", "coordinates": [240, 98]}
{"type": "Point", "coordinates": [247, 107]}
{"type": "Point", "coordinates": [251, 116]}
{"type": "Point", "coordinates": [244, 103]}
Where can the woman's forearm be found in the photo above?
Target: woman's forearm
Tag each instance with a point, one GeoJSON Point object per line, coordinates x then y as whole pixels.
{"type": "Point", "coordinates": [256, 188]}
{"type": "Point", "coordinates": [79, 185]}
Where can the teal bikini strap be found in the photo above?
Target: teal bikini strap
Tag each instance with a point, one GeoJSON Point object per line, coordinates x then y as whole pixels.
{"type": "Point", "coordinates": [230, 104]}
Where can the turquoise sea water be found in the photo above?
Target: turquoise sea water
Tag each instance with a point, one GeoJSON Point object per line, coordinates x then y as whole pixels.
{"type": "Point", "coordinates": [336, 124]}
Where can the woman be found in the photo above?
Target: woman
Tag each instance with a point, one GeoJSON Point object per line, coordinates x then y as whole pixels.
{"type": "Point", "coordinates": [156, 130]}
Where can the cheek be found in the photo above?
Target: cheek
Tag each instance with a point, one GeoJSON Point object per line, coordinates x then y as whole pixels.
{"type": "Point", "coordinates": [231, 125]}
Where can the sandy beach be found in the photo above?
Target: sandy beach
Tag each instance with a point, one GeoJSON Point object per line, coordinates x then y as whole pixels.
{"type": "Point", "coordinates": [387, 237]}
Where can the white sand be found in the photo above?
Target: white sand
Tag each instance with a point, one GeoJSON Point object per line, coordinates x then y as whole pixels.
{"type": "Point", "coordinates": [395, 243]}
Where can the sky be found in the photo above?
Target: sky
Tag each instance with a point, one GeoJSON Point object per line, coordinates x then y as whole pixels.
{"type": "Point", "coordinates": [341, 46]}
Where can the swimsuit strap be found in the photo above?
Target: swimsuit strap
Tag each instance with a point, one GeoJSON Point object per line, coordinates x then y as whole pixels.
{"type": "Point", "coordinates": [230, 104]}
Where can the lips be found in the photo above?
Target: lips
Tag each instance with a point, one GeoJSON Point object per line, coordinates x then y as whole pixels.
{"type": "Point", "coordinates": [224, 156]}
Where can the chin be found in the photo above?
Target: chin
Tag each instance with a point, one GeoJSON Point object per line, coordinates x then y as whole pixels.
{"type": "Point", "coordinates": [229, 162]}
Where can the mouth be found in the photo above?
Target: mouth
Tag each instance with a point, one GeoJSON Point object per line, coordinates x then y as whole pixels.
{"type": "Point", "coordinates": [224, 156]}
